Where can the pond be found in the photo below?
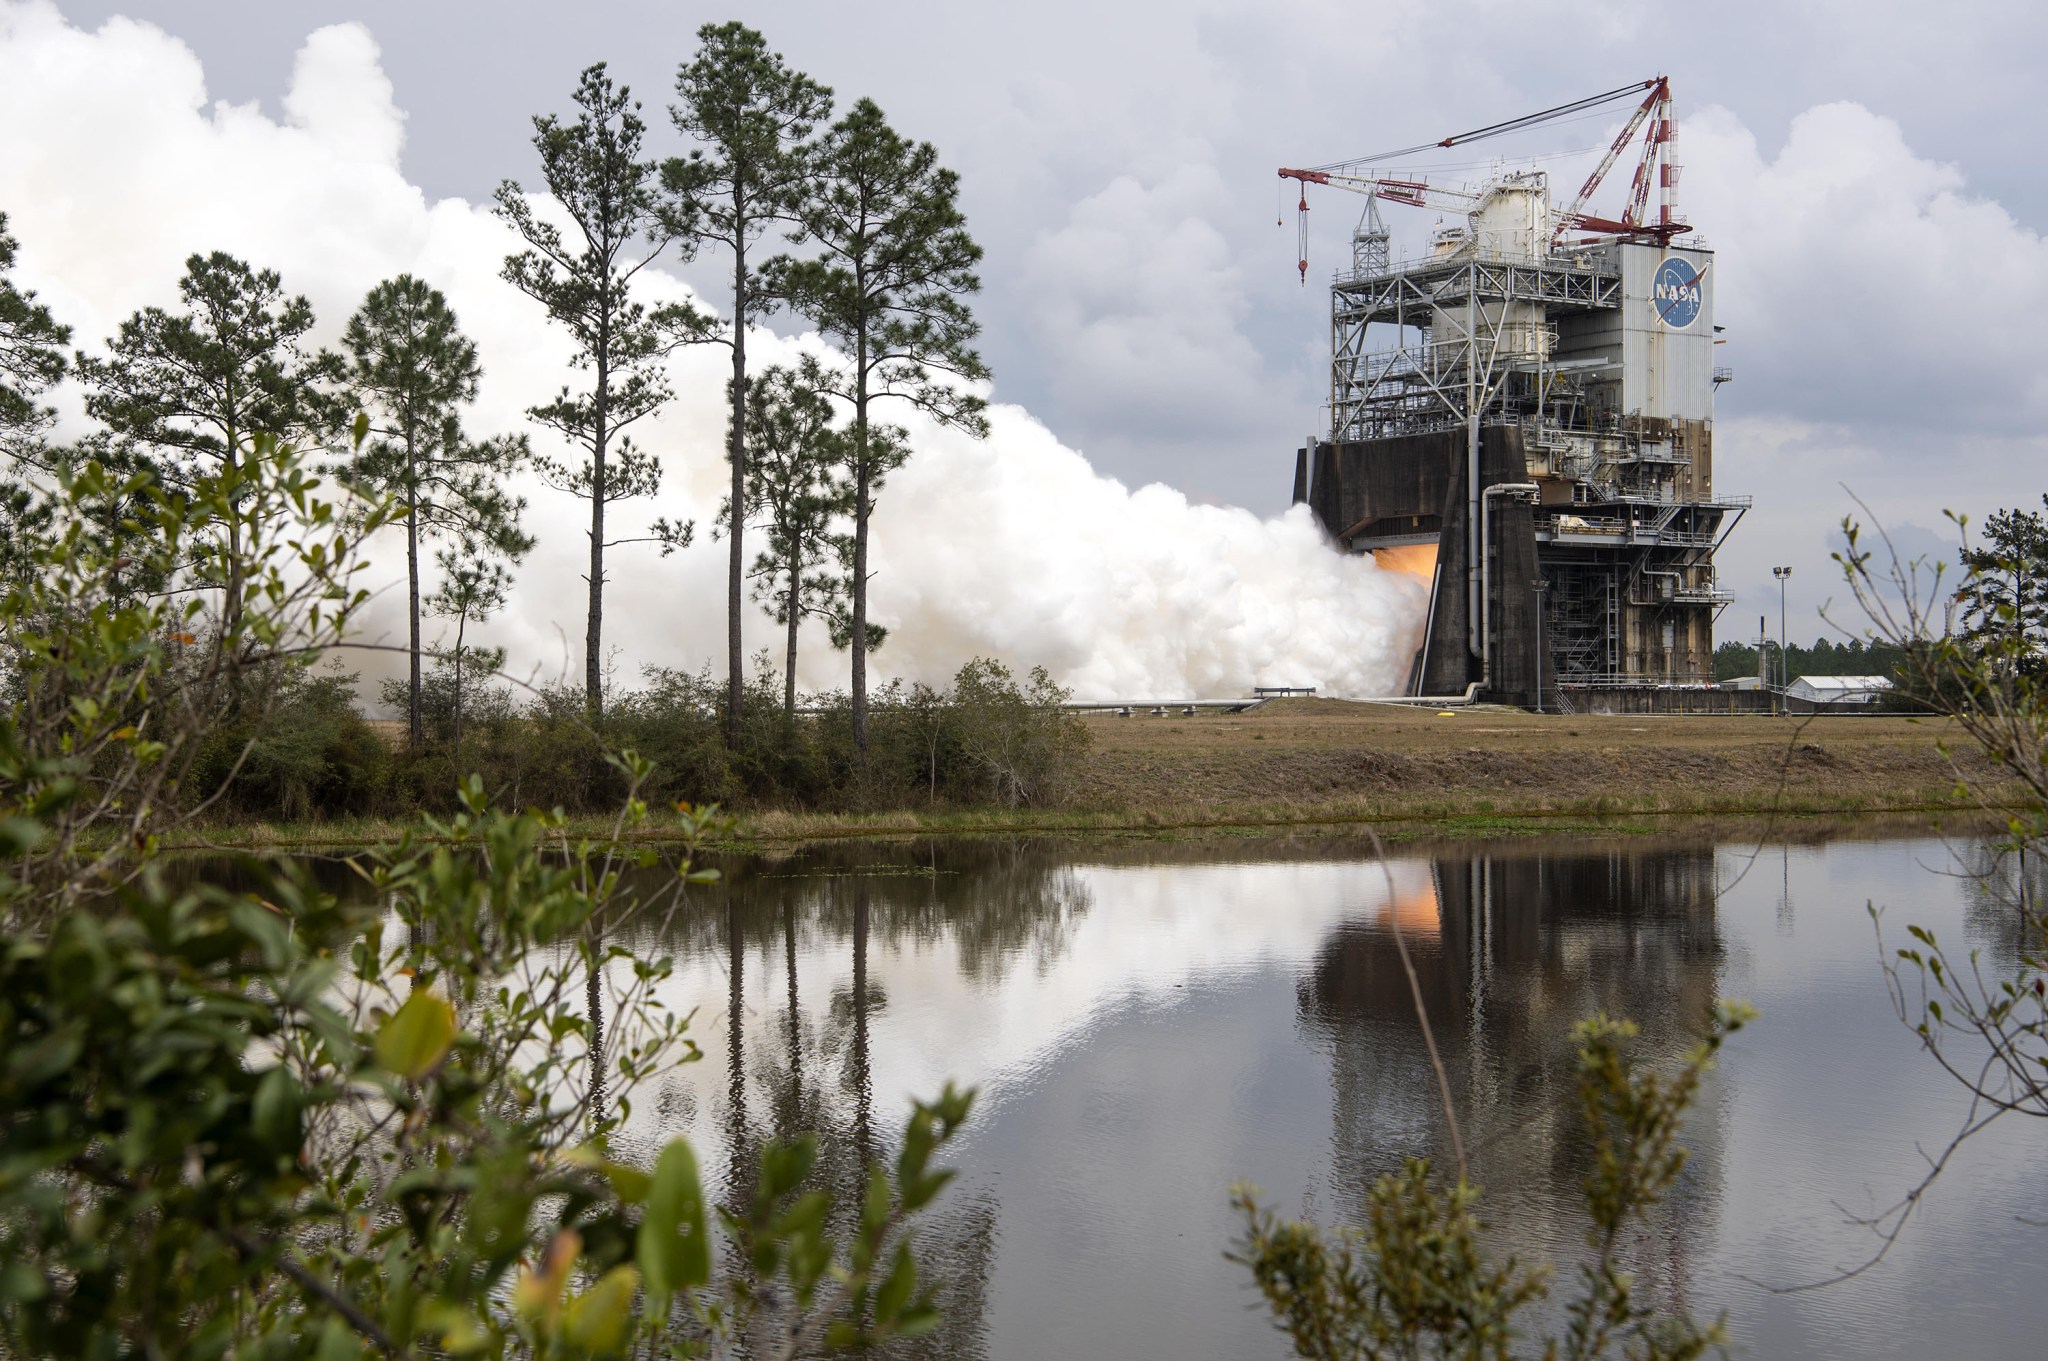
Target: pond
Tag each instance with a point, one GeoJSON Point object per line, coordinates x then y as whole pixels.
{"type": "Point", "coordinates": [1149, 1023]}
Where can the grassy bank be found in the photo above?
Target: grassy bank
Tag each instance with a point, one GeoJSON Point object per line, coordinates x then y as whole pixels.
{"type": "Point", "coordinates": [1300, 765]}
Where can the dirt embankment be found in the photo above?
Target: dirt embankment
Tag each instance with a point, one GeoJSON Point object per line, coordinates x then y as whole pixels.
{"type": "Point", "coordinates": [1300, 757]}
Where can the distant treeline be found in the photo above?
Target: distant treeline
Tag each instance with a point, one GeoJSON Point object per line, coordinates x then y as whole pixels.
{"type": "Point", "coordinates": [1823, 658]}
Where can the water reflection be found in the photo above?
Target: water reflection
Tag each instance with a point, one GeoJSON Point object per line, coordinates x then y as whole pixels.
{"type": "Point", "coordinates": [2004, 888]}
{"type": "Point", "coordinates": [1150, 1022]}
{"type": "Point", "coordinates": [1509, 951]}
{"type": "Point", "coordinates": [796, 937]}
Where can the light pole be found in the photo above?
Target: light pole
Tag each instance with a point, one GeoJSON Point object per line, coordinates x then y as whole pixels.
{"type": "Point", "coordinates": [1784, 676]}
{"type": "Point", "coordinates": [1541, 584]}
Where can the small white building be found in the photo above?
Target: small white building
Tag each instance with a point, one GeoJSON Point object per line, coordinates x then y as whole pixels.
{"type": "Point", "coordinates": [1842, 690]}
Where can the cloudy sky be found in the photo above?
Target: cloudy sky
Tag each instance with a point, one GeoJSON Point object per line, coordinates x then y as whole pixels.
{"type": "Point", "coordinates": [1864, 169]}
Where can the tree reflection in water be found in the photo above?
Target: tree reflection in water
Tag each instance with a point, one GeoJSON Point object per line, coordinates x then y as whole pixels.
{"type": "Point", "coordinates": [794, 1069]}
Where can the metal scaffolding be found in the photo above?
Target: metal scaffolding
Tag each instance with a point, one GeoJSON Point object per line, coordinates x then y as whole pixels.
{"type": "Point", "coordinates": [1595, 358]}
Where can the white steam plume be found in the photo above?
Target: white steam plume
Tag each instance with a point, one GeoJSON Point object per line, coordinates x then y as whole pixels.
{"type": "Point", "coordinates": [114, 168]}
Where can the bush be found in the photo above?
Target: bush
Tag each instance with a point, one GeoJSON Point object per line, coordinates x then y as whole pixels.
{"type": "Point", "coordinates": [298, 749]}
{"type": "Point", "coordinates": [1017, 739]}
{"type": "Point", "coordinates": [294, 747]}
{"type": "Point", "coordinates": [985, 739]}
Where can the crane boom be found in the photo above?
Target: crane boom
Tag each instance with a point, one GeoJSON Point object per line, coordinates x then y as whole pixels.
{"type": "Point", "coordinates": [1414, 193]}
{"type": "Point", "coordinates": [1655, 163]}
{"type": "Point", "coordinates": [1656, 109]}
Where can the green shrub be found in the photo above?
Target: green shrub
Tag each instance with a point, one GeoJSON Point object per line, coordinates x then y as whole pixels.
{"type": "Point", "coordinates": [1017, 739]}
{"type": "Point", "coordinates": [293, 747]}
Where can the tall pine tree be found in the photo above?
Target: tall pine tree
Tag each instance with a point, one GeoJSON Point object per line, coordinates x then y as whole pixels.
{"type": "Point", "coordinates": [193, 386]}
{"type": "Point", "coordinates": [2004, 594]}
{"type": "Point", "coordinates": [887, 285]}
{"type": "Point", "coordinates": [413, 370]}
{"type": "Point", "coordinates": [751, 116]}
{"type": "Point", "coordinates": [474, 586]}
{"type": "Point", "coordinates": [795, 494]}
{"type": "Point", "coordinates": [32, 358]}
{"type": "Point", "coordinates": [188, 388]}
{"type": "Point", "coordinates": [594, 170]}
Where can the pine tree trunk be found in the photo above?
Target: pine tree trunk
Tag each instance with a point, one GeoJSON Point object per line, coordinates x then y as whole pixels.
{"type": "Point", "coordinates": [735, 654]}
{"type": "Point", "coordinates": [231, 596]}
{"type": "Point", "coordinates": [461, 627]}
{"type": "Point", "coordinates": [791, 606]}
{"type": "Point", "coordinates": [593, 634]}
{"type": "Point", "coordinates": [416, 731]}
{"type": "Point", "coordinates": [860, 551]}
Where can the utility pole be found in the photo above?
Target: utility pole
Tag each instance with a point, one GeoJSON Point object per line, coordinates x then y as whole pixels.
{"type": "Point", "coordinates": [1784, 675]}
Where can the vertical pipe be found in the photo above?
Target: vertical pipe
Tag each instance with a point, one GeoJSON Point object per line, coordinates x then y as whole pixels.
{"type": "Point", "coordinates": [1485, 599]}
{"type": "Point", "coordinates": [1475, 545]}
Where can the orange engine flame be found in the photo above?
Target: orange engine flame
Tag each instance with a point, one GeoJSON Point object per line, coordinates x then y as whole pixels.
{"type": "Point", "coordinates": [1414, 559]}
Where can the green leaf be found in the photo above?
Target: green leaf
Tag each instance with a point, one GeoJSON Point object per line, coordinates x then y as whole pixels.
{"type": "Point", "coordinates": [458, 1329]}
{"type": "Point", "coordinates": [629, 1183]}
{"type": "Point", "coordinates": [337, 1343]}
{"type": "Point", "coordinates": [673, 1248]}
{"type": "Point", "coordinates": [416, 1038]}
{"type": "Point", "coordinates": [265, 926]}
{"type": "Point", "coordinates": [276, 1109]}
{"type": "Point", "coordinates": [18, 836]}
{"type": "Point", "coordinates": [597, 1319]}
{"type": "Point", "coordinates": [894, 1296]}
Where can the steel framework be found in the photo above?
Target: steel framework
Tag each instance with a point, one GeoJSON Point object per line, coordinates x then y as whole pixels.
{"type": "Point", "coordinates": [1575, 346]}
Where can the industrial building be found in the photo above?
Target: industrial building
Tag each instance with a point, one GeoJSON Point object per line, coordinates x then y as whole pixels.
{"type": "Point", "coordinates": [1531, 394]}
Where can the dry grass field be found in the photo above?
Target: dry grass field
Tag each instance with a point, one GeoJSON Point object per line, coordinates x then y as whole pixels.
{"type": "Point", "coordinates": [1297, 759]}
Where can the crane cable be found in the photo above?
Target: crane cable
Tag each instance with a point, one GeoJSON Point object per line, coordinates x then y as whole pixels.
{"type": "Point", "coordinates": [1497, 129]}
{"type": "Point", "coordinates": [1475, 135]}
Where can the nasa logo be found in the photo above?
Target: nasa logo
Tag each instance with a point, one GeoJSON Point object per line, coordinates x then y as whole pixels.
{"type": "Point", "coordinates": [1675, 292]}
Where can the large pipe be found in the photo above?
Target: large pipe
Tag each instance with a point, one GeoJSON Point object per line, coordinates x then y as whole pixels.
{"type": "Point", "coordinates": [1475, 538]}
{"type": "Point", "coordinates": [1471, 696]}
{"type": "Point", "coordinates": [1522, 489]}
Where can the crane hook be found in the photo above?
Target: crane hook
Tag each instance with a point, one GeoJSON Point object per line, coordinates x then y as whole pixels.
{"type": "Point", "coordinates": [1301, 217]}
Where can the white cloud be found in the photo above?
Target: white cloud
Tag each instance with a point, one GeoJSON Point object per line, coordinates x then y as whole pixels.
{"type": "Point", "coordinates": [1862, 284]}
{"type": "Point", "coordinates": [1137, 299]}
{"type": "Point", "coordinates": [1880, 324]}
{"type": "Point", "coordinates": [340, 94]}
{"type": "Point", "coordinates": [116, 168]}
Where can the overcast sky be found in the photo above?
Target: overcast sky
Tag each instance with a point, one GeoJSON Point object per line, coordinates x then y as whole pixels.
{"type": "Point", "coordinates": [1867, 170]}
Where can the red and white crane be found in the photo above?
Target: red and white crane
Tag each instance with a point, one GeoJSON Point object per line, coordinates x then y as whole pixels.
{"type": "Point", "coordinates": [1655, 165]}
